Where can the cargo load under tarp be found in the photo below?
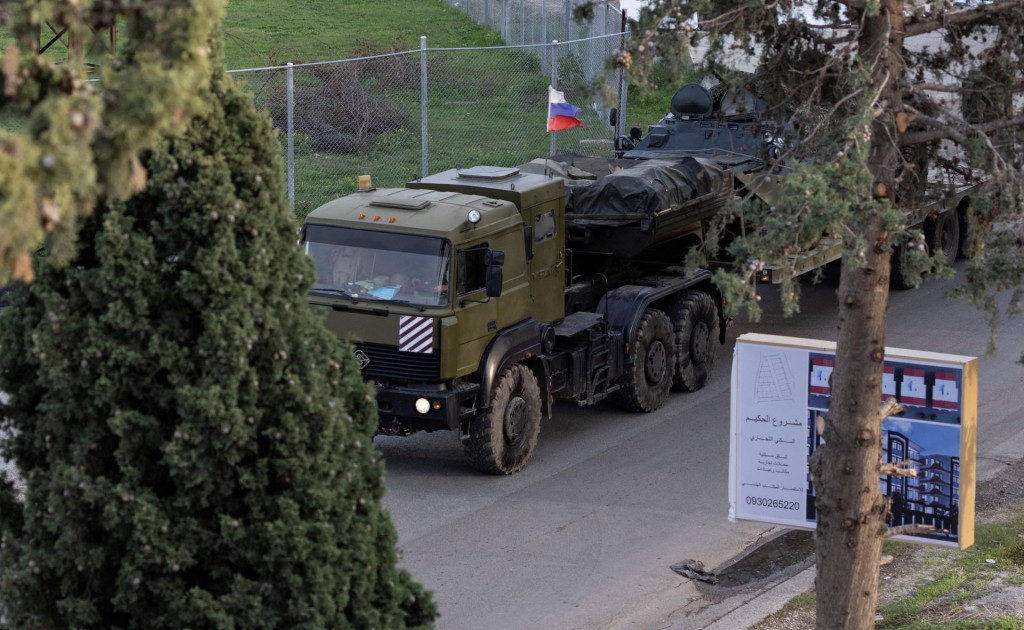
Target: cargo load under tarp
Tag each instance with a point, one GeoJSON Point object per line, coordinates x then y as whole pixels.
{"type": "Point", "coordinates": [646, 187]}
{"type": "Point", "coordinates": [625, 207]}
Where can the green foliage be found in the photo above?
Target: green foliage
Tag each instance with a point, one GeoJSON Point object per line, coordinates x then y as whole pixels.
{"type": "Point", "coordinates": [197, 447]}
{"type": "Point", "coordinates": [72, 146]}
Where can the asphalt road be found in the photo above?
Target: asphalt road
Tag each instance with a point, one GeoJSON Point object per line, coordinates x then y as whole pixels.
{"type": "Point", "coordinates": [583, 537]}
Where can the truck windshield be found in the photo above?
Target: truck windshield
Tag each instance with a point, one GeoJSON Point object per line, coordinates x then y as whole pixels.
{"type": "Point", "coordinates": [380, 266]}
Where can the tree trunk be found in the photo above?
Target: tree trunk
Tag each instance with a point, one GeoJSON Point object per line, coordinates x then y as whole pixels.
{"type": "Point", "coordinates": [850, 507]}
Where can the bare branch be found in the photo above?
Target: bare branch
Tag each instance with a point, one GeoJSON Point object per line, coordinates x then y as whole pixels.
{"type": "Point", "coordinates": [898, 469]}
{"type": "Point", "coordinates": [938, 87]}
{"type": "Point", "coordinates": [909, 530]}
{"type": "Point", "coordinates": [890, 407]}
{"type": "Point", "coordinates": [961, 18]}
{"type": "Point", "coordinates": [943, 131]}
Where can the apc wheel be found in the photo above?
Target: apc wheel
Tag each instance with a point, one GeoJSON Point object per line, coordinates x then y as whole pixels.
{"type": "Point", "coordinates": [943, 234]}
{"type": "Point", "coordinates": [650, 377]}
{"type": "Point", "coordinates": [502, 439]}
{"type": "Point", "coordinates": [695, 324]}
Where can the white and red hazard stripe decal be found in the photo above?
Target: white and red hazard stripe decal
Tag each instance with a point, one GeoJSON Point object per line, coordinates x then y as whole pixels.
{"type": "Point", "coordinates": [821, 375]}
{"type": "Point", "coordinates": [945, 394]}
{"type": "Point", "coordinates": [416, 334]}
{"type": "Point", "coordinates": [912, 390]}
{"type": "Point", "coordinates": [888, 382]}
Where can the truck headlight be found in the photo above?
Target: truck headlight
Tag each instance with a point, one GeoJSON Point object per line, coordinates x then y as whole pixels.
{"type": "Point", "coordinates": [422, 406]}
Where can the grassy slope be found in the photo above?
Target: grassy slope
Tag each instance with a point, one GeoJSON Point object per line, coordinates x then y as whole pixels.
{"type": "Point", "coordinates": [270, 32]}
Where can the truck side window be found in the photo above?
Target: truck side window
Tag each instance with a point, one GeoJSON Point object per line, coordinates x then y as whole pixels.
{"type": "Point", "coordinates": [471, 271]}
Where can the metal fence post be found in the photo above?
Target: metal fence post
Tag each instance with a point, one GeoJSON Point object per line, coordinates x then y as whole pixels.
{"type": "Point", "coordinates": [544, 33]}
{"type": "Point", "coordinates": [567, 35]}
{"type": "Point", "coordinates": [554, 84]}
{"type": "Point", "coordinates": [423, 103]}
{"type": "Point", "coordinates": [522, 22]}
{"type": "Point", "coordinates": [623, 84]}
{"type": "Point", "coordinates": [291, 137]}
{"type": "Point", "coordinates": [504, 23]}
{"type": "Point", "coordinates": [487, 13]}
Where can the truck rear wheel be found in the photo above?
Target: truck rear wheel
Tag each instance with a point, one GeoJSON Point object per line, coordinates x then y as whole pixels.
{"type": "Point", "coordinates": [942, 234]}
{"type": "Point", "coordinates": [650, 377]}
{"type": "Point", "coordinates": [502, 439]}
{"type": "Point", "coordinates": [900, 277]}
{"type": "Point", "coordinates": [695, 324]}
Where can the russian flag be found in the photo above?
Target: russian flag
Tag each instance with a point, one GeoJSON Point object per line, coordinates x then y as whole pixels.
{"type": "Point", "coordinates": [561, 115]}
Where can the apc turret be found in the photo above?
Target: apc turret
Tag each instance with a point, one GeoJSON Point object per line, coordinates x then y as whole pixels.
{"type": "Point", "coordinates": [729, 131]}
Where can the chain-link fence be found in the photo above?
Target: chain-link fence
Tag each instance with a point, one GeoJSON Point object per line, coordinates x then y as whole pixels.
{"type": "Point", "coordinates": [417, 112]}
{"type": "Point", "coordinates": [523, 22]}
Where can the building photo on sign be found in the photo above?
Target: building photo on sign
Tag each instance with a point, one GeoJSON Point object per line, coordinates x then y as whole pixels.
{"type": "Point", "coordinates": [780, 388]}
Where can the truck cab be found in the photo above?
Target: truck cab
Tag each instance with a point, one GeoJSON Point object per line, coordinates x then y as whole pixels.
{"type": "Point", "coordinates": [421, 280]}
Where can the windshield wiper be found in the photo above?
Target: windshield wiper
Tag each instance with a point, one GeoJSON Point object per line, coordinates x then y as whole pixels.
{"type": "Point", "coordinates": [418, 307]}
{"type": "Point", "coordinates": [334, 291]}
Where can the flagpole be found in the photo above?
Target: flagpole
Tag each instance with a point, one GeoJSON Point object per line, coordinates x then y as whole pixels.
{"type": "Point", "coordinates": [554, 84]}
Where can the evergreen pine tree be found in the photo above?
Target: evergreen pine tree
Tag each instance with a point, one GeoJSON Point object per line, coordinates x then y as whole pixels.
{"type": "Point", "coordinates": [197, 447]}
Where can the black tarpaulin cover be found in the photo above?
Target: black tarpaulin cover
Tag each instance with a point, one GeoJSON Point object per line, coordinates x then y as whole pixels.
{"type": "Point", "coordinates": [644, 188]}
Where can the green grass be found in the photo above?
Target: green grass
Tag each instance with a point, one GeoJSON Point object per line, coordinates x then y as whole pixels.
{"type": "Point", "coordinates": [272, 32]}
{"type": "Point", "coordinates": [485, 107]}
{"type": "Point", "coordinates": [963, 576]}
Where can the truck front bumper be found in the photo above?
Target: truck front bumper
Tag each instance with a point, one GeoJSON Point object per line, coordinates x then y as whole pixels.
{"type": "Point", "coordinates": [396, 406]}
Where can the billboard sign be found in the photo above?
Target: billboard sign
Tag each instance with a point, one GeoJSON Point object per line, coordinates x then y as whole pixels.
{"type": "Point", "coordinates": [781, 389]}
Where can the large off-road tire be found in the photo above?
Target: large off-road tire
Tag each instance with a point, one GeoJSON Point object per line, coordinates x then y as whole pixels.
{"type": "Point", "coordinates": [649, 378]}
{"type": "Point", "coordinates": [695, 325]}
{"type": "Point", "coordinates": [899, 277]}
{"type": "Point", "coordinates": [942, 234]}
{"type": "Point", "coordinates": [963, 223]}
{"type": "Point", "coordinates": [502, 439]}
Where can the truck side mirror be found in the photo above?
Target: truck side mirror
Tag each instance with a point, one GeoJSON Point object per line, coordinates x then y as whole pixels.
{"type": "Point", "coordinates": [622, 143]}
{"type": "Point", "coordinates": [613, 117]}
{"type": "Point", "coordinates": [636, 133]}
{"type": "Point", "coordinates": [493, 260]}
{"type": "Point", "coordinates": [493, 281]}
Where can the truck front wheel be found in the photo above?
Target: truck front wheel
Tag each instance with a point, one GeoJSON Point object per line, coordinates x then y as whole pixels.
{"type": "Point", "coordinates": [650, 377]}
{"type": "Point", "coordinates": [695, 323]}
{"type": "Point", "coordinates": [501, 440]}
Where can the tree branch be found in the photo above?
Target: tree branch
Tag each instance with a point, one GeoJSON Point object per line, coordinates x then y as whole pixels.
{"type": "Point", "coordinates": [898, 469]}
{"type": "Point", "coordinates": [943, 131]}
{"type": "Point", "coordinates": [960, 18]}
{"type": "Point", "coordinates": [938, 87]}
{"type": "Point", "coordinates": [908, 530]}
{"type": "Point", "coordinates": [890, 407]}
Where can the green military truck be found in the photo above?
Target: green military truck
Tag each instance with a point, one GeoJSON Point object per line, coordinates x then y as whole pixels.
{"type": "Point", "coordinates": [474, 298]}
